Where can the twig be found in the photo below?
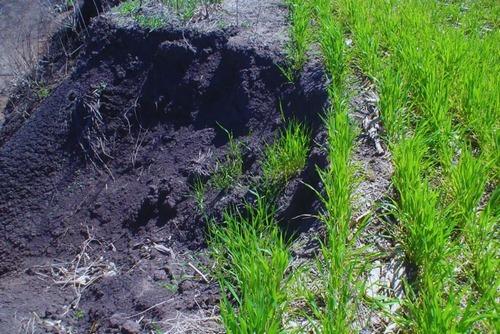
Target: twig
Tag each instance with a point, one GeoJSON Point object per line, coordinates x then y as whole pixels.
{"type": "Point", "coordinates": [199, 272]}
{"type": "Point", "coordinates": [149, 309]}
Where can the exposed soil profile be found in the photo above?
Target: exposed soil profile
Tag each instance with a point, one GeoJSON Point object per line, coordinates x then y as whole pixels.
{"type": "Point", "coordinates": [98, 223]}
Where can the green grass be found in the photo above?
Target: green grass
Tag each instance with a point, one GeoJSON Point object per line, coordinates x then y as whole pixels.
{"type": "Point", "coordinates": [198, 190]}
{"type": "Point", "coordinates": [43, 92]}
{"type": "Point", "coordinates": [439, 97]}
{"type": "Point", "coordinates": [334, 309]}
{"type": "Point", "coordinates": [251, 255]}
{"type": "Point", "coordinates": [79, 314]}
{"type": "Point", "coordinates": [286, 157]}
{"type": "Point", "coordinates": [129, 7]}
{"type": "Point", "coordinates": [300, 35]}
{"type": "Point", "coordinates": [170, 287]}
{"type": "Point", "coordinates": [435, 66]}
{"type": "Point", "coordinates": [150, 22]}
{"type": "Point", "coordinates": [339, 267]}
{"type": "Point", "coordinates": [228, 170]}
{"type": "Point", "coordinates": [252, 259]}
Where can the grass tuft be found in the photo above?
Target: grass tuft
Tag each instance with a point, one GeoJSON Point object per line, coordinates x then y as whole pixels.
{"type": "Point", "coordinates": [252, 259]}
{"type": "Point", "coordinates": [286, 157]}
{"type": "Point", "coordinates": [228, 171]}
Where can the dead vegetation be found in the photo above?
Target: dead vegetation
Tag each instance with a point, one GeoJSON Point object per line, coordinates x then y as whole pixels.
{"type": "Point", "coordinates": [85, 269]}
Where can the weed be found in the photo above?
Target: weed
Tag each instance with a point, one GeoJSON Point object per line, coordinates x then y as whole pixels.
{"type": "Point", "coordinates": [79, 314]}
{"type": "Point", "coordinates": [198, 190]}
{"type": "Point", "coordinates": [286, 157]}
{"type": "Point", "coordinates": [43, 92]}
{"type": "Point", "coordinates": [170, 287]}
{"type": "Point", "coordinates": [150, 22]}
{"type": "Point", "coordinates": [156, 328]}
{"type": "Point", "coordinates": [129, 7]}
{"type": "Point", "coordinates": [227, 171]}
{"type": "Point", "coordinates": [252, 259]}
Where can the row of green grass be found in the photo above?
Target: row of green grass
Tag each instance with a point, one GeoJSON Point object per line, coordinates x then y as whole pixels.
{"type": "Point", "coordinates": [300, 15]}
{"type": "Point", "coordinates": [332, 308]}
{"type": "Point", "coordinates": [435, 66]}
{"type": "Point", "coordinates": [342, 263]}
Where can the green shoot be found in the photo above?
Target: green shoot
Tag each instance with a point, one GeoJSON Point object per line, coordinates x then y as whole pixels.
{"type": "Point", "coordinates": [286, 157]}
{"type": "Point", "coordinates": [227, 171]}
{"type": "Point", "coordinates": [252, 259]}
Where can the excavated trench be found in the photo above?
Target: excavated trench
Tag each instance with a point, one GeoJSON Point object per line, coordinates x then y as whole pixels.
{"type": "Point", "coordinates": [98, 223]}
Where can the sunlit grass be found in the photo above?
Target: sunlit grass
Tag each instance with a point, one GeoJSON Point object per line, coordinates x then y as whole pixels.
{"type": "Point", "coordinates": [251, 254]}
{"type": "Point", "coordinates": [435, 67]}
{"type": "Point", "coordinates": [286, 157]}
{"type": "Point", "coordinates": [229, 169]}
{"type": "Point", "coordinates": [300, 34]}
{"type": "Point", "coordinates": [252, 259]}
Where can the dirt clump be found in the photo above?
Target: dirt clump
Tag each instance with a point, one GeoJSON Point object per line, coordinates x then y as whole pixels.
{"type": "Point", "coordinates": [100, 230]}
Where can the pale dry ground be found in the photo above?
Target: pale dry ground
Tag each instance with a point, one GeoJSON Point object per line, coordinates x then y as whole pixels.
{"type": "Point", "coordinates": [24, 25]}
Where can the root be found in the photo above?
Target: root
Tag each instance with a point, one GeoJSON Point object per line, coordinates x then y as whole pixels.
{"type": "Point", "coordinates": [93, 140]}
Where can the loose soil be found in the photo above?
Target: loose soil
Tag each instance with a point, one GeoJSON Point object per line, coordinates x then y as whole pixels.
{"type": "Point", "coordinates": [100, 232]}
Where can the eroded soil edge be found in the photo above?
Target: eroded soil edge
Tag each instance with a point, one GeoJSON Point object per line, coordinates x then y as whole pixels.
{"type": "Point", "coordinates": [95, 188]}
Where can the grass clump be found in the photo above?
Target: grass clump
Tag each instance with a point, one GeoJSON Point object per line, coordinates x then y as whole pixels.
{"type": "Point", "coordinates": [227, 171]}
{"type": "Point", "coordinates": [79, 314]}
{"type": "Point", "coordinates": [133, 8]}
{"type": "Point", "coordinates": [286, 157]}
{"type": "Point", "coordinates": [129, 7]}
{"type": "Point", "coordinates": [170, 287]}
{"type": "Point", "coordinates": [150, 22]}
{"type": "Point", "coordinates": [198, 190]}
{"type": "Point", "coordinates": [251, 255]}
{"type": "Point", "coordinates": [43, 92]}
{"type": "Point", "coordinates": [252, 259]}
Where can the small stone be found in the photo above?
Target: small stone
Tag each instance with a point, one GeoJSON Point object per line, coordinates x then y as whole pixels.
{"type": "Point", "coordinates": [186, 286]}
{"type": "Point", "coordinates": [131, 327]}
{"type": "Point", "coordinates": [116, 320]}
{"type": "Point", "coordinates": [160, 275]}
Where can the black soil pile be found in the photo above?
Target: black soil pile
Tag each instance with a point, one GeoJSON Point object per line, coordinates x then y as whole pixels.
{"type": "Point", "coordinates": [99, 227]}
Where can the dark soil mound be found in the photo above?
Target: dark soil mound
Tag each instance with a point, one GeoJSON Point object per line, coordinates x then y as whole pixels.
{"type": "Point", "coordinates": [95, 185]}
{"type": "Point", "coordinates": [22, 47]}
